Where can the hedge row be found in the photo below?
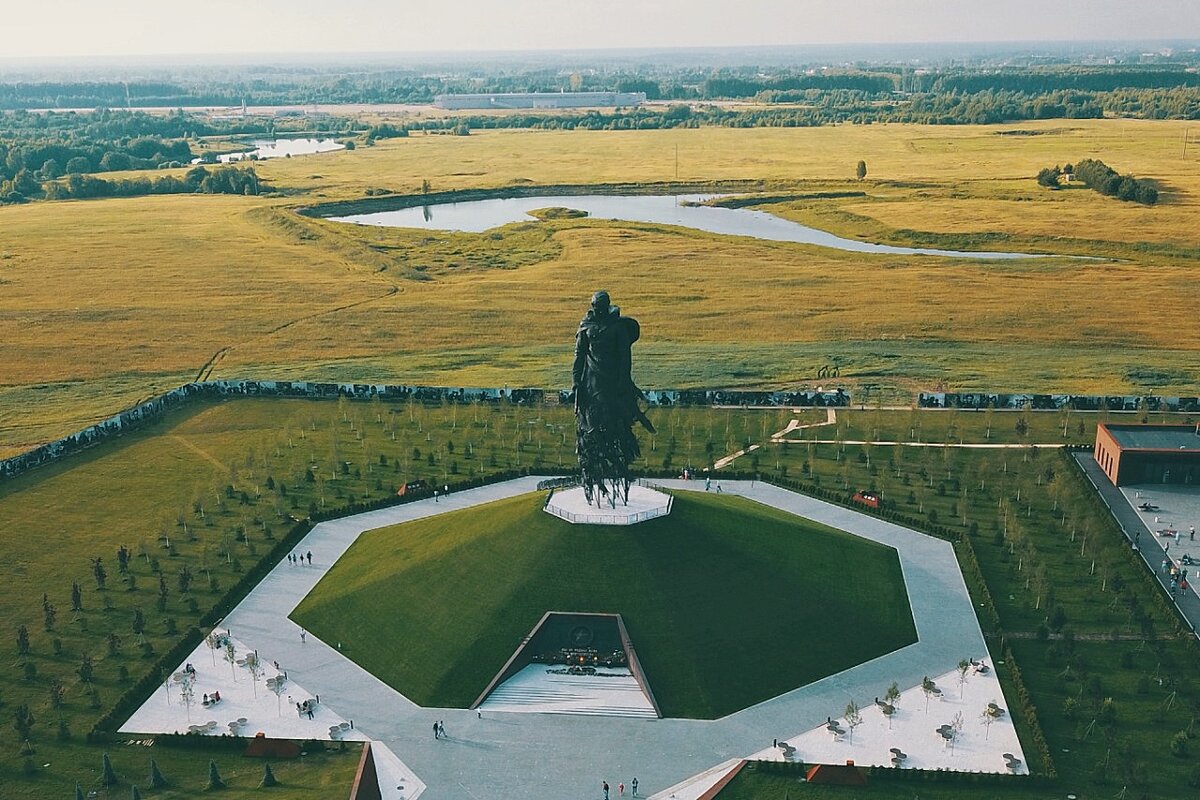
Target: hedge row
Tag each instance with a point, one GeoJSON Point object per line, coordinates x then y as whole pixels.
{"type": "Point", "coordinates": [137, 694]}
{"type": "Point", "coordinates": [906, 775]}
{"type": "Point", "coordinates": [141, 691]}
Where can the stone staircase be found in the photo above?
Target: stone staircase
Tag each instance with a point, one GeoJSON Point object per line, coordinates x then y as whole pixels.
{"type": "Point", "coordinates": [534, 690]}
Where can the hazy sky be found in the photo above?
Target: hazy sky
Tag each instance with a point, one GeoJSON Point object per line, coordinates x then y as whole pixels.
{"type": "Point", "coordinates": [51, 28]}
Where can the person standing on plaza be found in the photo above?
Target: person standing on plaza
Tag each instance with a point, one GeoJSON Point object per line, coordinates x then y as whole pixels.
{"type": "Point", "coordinates": [633, 787]}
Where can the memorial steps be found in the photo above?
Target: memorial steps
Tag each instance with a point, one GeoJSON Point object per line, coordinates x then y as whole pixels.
{"type": "Point", "coordinates": [534, 690]}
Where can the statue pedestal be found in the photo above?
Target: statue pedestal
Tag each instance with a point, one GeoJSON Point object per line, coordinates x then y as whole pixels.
{"type": "Point", "coordinates": [644, 504]}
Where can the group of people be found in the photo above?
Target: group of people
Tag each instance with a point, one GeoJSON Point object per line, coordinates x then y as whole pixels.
{"type": "Point", "coordinates": [307, 707]}
{"type": "Point", "coordinates": [298, 558]}
{"type": "Point", "coordinates": [439, 730]}
{"type": "Point", "coordinates": [210, 700]}
{"type": "Point", "coordinates": [1178, 575]}
{"type": "Point", "coordinates": [633, 786]}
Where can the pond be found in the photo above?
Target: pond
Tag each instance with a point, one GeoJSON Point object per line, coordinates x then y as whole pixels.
{"type": "Point", "coordinates": [281, 148]}
{"type": "Point", "coordinates": [476, 216]}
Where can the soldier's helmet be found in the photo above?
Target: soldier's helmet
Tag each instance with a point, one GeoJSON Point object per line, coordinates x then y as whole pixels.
{"type": "Point", "coordinates": [601, 302]}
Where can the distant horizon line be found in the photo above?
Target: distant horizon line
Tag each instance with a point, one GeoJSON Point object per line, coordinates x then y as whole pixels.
{"type": "Point", "coordinates": [63, 59]}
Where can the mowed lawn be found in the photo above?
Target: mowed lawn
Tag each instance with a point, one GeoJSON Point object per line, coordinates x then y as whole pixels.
{"type": "Point", "coordinates": [727, 602]}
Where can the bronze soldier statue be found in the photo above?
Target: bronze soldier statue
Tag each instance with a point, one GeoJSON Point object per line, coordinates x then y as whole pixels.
{"type": "Point", "coordinates": [606, 401]}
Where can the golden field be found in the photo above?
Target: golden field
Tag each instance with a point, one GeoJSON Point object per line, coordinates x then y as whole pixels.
{"type": "Point", "coordinates": [108, 301]}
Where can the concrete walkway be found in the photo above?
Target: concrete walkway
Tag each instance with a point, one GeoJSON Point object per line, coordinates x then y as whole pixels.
{"type": "Point", "coordinates": [778, 436]}
{"type": "Point", "coordinates": [1140, 530]}
{"type": "Point", "coordinates": [558, 756]}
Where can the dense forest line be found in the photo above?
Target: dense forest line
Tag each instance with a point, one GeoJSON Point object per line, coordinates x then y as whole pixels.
{"type": "Point", "coordinates": [40, 147]}
{"type": "Point", "coordinates": [409, 86]}
{"type": "Point", "coordinates": [223, 180]}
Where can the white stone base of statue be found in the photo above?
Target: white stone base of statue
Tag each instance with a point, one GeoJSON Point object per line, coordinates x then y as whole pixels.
{"type": "Point", "coordinates": [644, 504]}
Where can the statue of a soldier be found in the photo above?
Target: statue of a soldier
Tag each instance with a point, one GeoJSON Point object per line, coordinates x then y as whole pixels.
{"type": "Point", "coordinates": [606, 401]}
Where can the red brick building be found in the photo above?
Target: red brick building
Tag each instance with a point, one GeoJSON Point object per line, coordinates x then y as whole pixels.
{"type": "Point", "coordinates": [1148, 453]}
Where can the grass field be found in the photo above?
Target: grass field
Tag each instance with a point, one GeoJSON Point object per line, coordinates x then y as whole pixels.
{"type": "Point", "coordinates": [316, 776]}
{"type": "Point", "coordinates": [195, 490]}
{"type": "Point", "coordinates": [148, 484]}
{"type": "Point", "coordinates": [108, 301]}
{"type": "Point", "coordinates": [456, 592]}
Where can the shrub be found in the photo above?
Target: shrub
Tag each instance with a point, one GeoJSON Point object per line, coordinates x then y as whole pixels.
{"type": "Point", "coordinates": [157, 781]}
{"type": "Point", "coordinates": [108, 776]}
{"type": "Point", "coordinates": [214, 777]}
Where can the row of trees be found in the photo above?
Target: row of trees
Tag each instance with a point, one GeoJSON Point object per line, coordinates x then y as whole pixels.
{"type": "Point", "coordinates": [227, 180]}
{"type": "Point", "coordinates": [824, 108]}
{"type": "Point", "coordinates": [665, 82]}
{"type": "Point", "coordinates": [1104, 179]}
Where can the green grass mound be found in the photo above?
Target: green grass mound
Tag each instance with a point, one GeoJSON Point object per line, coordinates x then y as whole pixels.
{"type": "Point", "coordinates": [557, 212]}
{"type": "Point", "coordinates": [728, 602]}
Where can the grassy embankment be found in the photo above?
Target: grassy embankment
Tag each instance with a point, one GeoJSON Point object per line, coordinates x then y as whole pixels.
{"type": "Point", "coordinates": [112, 300]}
{"type": "Point", "coordinates": [458, 590]}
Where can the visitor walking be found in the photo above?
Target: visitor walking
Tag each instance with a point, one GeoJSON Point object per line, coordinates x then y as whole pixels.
{"type": "Point", "coordinates": [633, 787]}
{"type": "Point", "coordinates": [441, 729]}
{"type": "Point", "coordinates": [437, 734]}
{"type": "Point", "coordinates": [303, 633]}
{"type": "Point", "coordinates": [621, 789]}
{"type": "Point", "coordinates": [310, 558]}
{"type": "Point", "coordinates": [707, 482]}
{"type": "Point", "coordinates": [604, 785]}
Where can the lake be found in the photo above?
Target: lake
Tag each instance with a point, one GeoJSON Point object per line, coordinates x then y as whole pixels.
{"type": "Point", "coordinates": [476, 216]}
{"type": "Point", "coordinates": [280, 148]}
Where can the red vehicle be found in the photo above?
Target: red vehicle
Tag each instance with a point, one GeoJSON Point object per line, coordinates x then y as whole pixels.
{"type": "Point", "coordinates": [867, 498]}
{"type": "Point", "coordinates": [412, 486]}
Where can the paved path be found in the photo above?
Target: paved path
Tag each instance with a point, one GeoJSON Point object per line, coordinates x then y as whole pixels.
{"type": "Point", "coordinates": [506, 755]}
{"type": "Point", "coordinates": [1141, 537]}
{"type": "Point", "coordinates": [778, 436]}
{"type": "Point", "coordinates": [939, 445]}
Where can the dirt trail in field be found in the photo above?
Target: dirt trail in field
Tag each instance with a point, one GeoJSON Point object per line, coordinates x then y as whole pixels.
{"type": "Point", "coordinates": [206, 371]}
{"type": "Point", "coordinates": [207, 456]}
